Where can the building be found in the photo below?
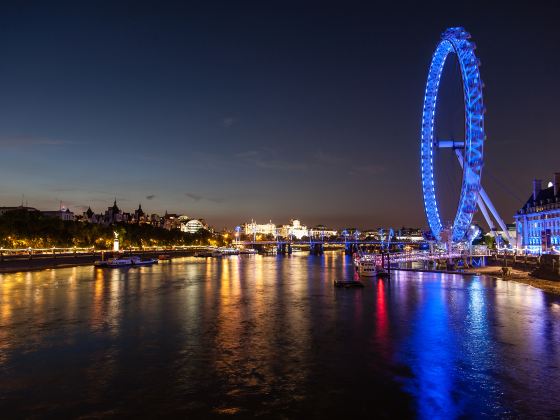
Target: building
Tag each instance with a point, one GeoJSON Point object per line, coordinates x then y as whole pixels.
{"type": "Point", "coordinates": [4, 210]}
{"type": "Point", "coordinates": [538, 221]}
{"type": "Point", "coordinates": [294, 230]}
{"type": "Point", "coordinates": [322, 232]}
{"type": "Point", "coordinates": [255, 228]}
{"type": "Point", "coordinates": [171, 221]}
{"type": "Point", "coordinates": [114, 215]}
{"type": "Point", "coordinates": [192, 226]}
{"type": "Point", "coordinates": [62, 214]}
{"type": "Point", "coordinates": [409, 235]}
{"type": "Point", "coordinates": [139, 216]}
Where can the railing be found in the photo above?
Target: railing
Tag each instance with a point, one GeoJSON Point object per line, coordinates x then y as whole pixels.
{"type": "Point", "coordinates": [56, 252]}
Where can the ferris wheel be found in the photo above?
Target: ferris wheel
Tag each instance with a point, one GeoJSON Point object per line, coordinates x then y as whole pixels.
{"type": "Point", "coordinates": [468, 151]}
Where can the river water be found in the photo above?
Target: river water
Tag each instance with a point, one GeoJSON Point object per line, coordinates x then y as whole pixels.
{"type": "Point", "coordinates": [270, 336]}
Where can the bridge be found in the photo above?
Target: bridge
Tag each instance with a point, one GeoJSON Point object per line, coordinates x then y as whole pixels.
{"type": "Point", "coordinates": [316, 247]}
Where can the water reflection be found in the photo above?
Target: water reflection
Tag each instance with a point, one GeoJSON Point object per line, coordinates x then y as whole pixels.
{"type": "Point", "coordinates": [269, 335]}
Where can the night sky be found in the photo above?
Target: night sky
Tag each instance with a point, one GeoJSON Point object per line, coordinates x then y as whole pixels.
{"type": "Point", "coordinates": [268, 110]}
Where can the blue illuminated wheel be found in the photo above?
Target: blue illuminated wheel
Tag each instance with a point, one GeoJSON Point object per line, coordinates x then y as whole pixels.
{"type": "Point", "coordinates": [454, 40]}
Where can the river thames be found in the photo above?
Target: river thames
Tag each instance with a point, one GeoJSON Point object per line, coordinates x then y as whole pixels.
{"type": "Point", "coordinates": [270, 336]}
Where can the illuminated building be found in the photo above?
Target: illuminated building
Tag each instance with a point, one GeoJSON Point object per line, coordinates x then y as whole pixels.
{"type": "Point", "coordinates": [192, 226]}
{"type": "Point", "coordinates": [409, 234]}
{"type": "Point", "coordinates": [295, 230]}
{"type": "Point", "coordinates": [538, 222]}
{"type": "Point", "coordinates": [255, 228]}
{"type": "Point", "coordinates": [320, 231]}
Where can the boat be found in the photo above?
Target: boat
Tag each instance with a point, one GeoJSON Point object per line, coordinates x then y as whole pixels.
{"type": "Point", "coordinates": [164, 257]}
{"type": "Point", "coordinates": [209, 253]}
{"type": "Point", "coordinates": [248, 251]}
{"type": "Point", "coordinates": [143, 261]}
{"type": "Point", "coordinates": [368, 266]}
{"type": "Point", "coordinates": [119, 262]}
{"type": "Point", "coordinates": [228, 251]}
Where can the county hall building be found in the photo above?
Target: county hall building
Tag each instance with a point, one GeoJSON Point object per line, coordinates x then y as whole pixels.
{"type": "Point", "coordinates": [538, 222]}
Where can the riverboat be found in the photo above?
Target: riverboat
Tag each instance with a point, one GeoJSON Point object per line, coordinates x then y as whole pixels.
{"type": "Point", "coordinates": [209, 253]}
{"type": "Point", "coordinates": [367, 266]}
{"type": "Point", "coordinates": [143, 261]}
{"type": "Point", "coordinates": [119, 262]}
{"type": "Point", "coordinates": [228, 251]}
{"type": "Point", "coordinates": [250, 251]}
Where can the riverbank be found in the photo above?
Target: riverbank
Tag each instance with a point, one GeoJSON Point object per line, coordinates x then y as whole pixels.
{"type": "Point", "coordinates": [519, 276]}
{"type": "Point", "coordinates": [37, 263]}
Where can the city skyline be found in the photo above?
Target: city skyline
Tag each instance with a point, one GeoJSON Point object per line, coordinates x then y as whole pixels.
{"type": "Point", "coordinates": [317, 118]}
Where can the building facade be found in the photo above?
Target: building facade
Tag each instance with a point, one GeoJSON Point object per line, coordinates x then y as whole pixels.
{"type": "Point", "coordinates": [254, 228]}
{"type": "Point", "coordinates": [294, 230]}
{"type": "Point", "coordinates": [192, 226]}
{"type": "Point", "coordinates": [538, 222]}
{"type": "Point", "coordinates": [322, 232]}
{"type": "Point", "coordinates": [62, 214]}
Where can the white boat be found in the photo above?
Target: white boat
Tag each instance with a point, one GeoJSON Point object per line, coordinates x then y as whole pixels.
{"type": "Point", "coordinates": [119, 262]}
{"type": "Point", "coordinates": [228, 251]}
{"type": "Point", "coordinates": [368, 265]}
{"type": "Point", "coordinates": [209, 253]}
{"type": "Point", "coordinates": [367, 268]}
{"type": "Point", "coordinates": [248, 251]}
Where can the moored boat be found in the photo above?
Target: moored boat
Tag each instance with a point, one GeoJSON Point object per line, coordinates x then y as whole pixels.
{"type": "Point", "coordinates": [119, 262]}
{"type": "Point", "coordinates": [143, 261]}
{"type": "Point", "coordinates": [368, 265]}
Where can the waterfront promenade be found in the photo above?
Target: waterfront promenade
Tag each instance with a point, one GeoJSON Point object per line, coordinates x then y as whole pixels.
{"type": "Point", "coordinates": [11, 262]}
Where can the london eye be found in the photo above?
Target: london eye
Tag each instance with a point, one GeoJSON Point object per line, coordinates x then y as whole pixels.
{"type": "Point", "coordinates": [454, 41]}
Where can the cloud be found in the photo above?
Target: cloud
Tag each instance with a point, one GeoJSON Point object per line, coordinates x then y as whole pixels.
{"type": "Point", "coordinates": [198, 197]}
{"type": "Point", "coordinates": [150, 197]}
{"type": "Point", "coordinates": [23, 141]}
{"type": "Point", "coordinates": [229, 121]}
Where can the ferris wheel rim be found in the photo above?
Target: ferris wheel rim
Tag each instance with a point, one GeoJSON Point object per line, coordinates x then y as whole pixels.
{"type": "Point", "coordinates": [454, 40]}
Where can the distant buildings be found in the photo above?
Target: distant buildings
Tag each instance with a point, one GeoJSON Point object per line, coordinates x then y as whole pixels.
{"type": "Point", "coordinates": [294, 230]}
{"type": "Point", "coordinates": [409, 234]}
{"type": "Point", "coordinates": [114, 215]}
{"type": "Point", "coordinates": [538, 221]}
{"type": "Point", "coordinates": [62, 214]}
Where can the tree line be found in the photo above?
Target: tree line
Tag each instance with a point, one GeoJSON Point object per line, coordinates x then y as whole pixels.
{"type": "Point", "coordinates": [22, 229]}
